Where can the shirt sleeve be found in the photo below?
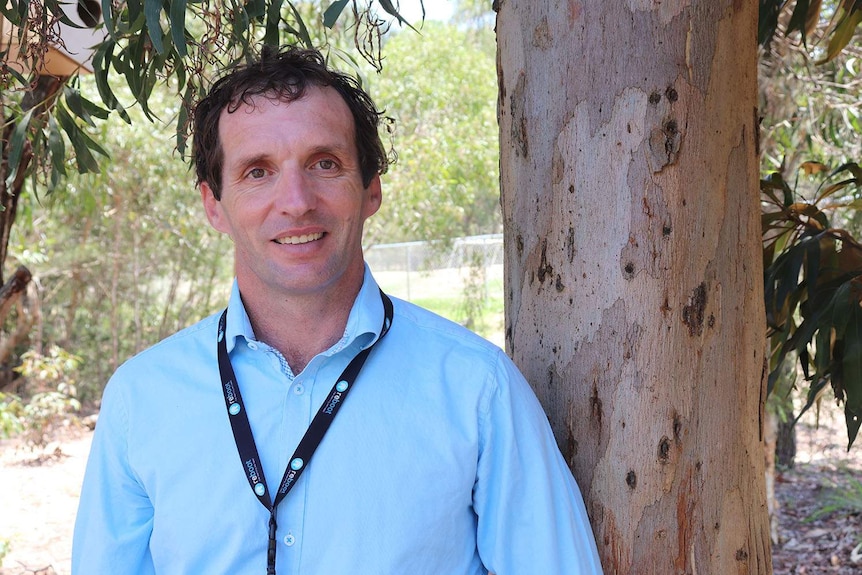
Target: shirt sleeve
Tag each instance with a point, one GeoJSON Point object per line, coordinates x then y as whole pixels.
{"type": "Point", "coordinates": [115, 515]}
{"type": "Point", "coordinates": [531, 516]}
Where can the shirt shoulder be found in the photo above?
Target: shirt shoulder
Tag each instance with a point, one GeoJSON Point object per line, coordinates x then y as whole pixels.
{"type": "Point", "coordinates": [432, 348]}
{"type": "Point", "coordinates": [433, 329]}
{"type": "Point", "coordinates": [189, 348]}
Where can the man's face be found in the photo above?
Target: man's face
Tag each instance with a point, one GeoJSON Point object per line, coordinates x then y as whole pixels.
{"type": "Point", "coordinates": [292, 197]}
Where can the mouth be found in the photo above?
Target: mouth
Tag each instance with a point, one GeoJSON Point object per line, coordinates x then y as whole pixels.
{"type": "Point", "coordinates": [296, 240]}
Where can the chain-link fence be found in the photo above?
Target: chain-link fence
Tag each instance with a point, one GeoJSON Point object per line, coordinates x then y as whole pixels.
{"type": "Point", "coordinates": [434, 255]}
{"type": "Point", "coordinates": [414, 270]}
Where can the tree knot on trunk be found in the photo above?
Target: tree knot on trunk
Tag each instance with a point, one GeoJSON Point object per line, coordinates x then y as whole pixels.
{"type": "Point", "coordinates": [664, 145]}
{"type": "Point", "coordinates": [693, 314]}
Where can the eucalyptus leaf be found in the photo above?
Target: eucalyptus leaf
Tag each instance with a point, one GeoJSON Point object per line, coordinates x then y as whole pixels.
{"type": "Point", "coordinates": [153, 12]}
{"type": "Point", "coordinates": [813, 394]}
{"type": "Point", "coordinates": [390, 9]}
{"type": "Point", "coordinates": [798, 18]}
{"type": "Point", "coordinates": [136, 9]}
{"type": "Point", "coordinates": [84, 158]}
{"type": "Point", "coordinates": [16, 146]}
{"type": "Point", "coordinates": [178, 26]}
{"type": "Point", "coordinates": [93, 109]}
{"type": "Point", "coordinates": [302, 31]}
{"type": "Point", "coordinates": [76, 104]}
{"type": "Point", "coordinates": [330, 17]}
{"type": "Point", "coordinates": [852, 370]}
{"type": "Point", "coordinates": [12, 11]}
{"type": "Point", "coordinates": [256, 9]}
{"type": "Point", "coordinates": [804, 359]}
{"type": "Point", "coordinates": [107, 17]}
{"type": "Point", "coordinates": [840, 306]}
{"type": "Point", "coordinates": [823, 351]}
{"type": "Point", "coordinates": [101, 63]}
{"type": "Point", "coordinates": [842, 34]}
{"type": "Point", "coordinates": [273, 19]}
{"type": "Point", "coordinates": [57, 147]}
{"type": "Point", "coordinates": [787, 268]}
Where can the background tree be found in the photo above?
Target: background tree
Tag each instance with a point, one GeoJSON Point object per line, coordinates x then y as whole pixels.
{"type": "Point", "coordinates": [446, 181]}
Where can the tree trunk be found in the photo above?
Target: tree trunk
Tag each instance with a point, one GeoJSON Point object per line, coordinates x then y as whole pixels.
{"type": "Point", "coordinates": [633, 268]}
{"type": "Point", "coordinates": [42, 95]}
{"type": "Point", "coordinates": [785, 443]}
{"type": "Point", "coordinates": [14, 294]}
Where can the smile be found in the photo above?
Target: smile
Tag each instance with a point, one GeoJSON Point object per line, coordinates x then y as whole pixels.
{"type": "Point", "coordinates": [294, 240]}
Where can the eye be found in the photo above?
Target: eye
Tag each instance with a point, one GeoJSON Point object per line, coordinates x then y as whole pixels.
{"type": "Point", "coordinates": [256, 173]}
{"type": "Point", "coordinates": [326, 164]}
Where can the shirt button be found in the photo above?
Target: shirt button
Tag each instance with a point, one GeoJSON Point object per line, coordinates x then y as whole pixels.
{"type": "Point", "coordinates": [289, 539]}
{"type": "Point", "coordinates": [298, 389]}
{"type": "Point", "coordinates": [252, 346]}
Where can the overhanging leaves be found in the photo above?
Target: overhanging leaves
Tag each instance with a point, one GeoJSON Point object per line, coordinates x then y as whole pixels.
{"type": "Point", "coordinates": [152, 13]}
{"type": "Point", "coordinates": [16, 146]}
{"type": "Point", "coordinates": [851, 391]}
{"type": "Point", "coordinates": [814, 272]}
{"type": "Point", "coordinates": [804, 18]}
{"type": "Point", "coordinates": [178, 26]}
{"type": "Point", "coordinates": [333, 12]}
{"type": "Point", "coordinates": [843, 33]}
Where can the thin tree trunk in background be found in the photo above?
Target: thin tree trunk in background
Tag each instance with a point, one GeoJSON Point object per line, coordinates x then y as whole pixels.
{"type": "Point", "coordinates": [39, 99]}
{"type": "Point", "coordinates": [114, 293]}
{"type": "Point", "coordinates": [633, 267]}
{"type": "Point", "coordinates": [785, 443]}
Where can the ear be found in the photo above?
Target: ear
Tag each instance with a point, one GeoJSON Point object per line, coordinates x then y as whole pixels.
{"type": "Point", "coordinates": [213, 209]}
{"type": "Point", "coordinates": [373, 198]}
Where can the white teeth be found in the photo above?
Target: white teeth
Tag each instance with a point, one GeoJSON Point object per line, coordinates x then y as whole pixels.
{"type": "Point", "coordinates": [293, 240]}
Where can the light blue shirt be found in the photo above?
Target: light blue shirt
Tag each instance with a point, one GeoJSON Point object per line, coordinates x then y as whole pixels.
{"type": "Point", "coordinates": [441, 461]}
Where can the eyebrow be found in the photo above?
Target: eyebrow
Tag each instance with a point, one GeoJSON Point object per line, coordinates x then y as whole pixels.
{"type": "Point", "coordinates": [335, 147]}
{"type": "Point", "coordinates": [240, 164]}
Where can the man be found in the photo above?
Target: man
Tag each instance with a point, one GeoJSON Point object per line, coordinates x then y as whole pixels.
{"type": "Point", "coordinates": [439, 462]}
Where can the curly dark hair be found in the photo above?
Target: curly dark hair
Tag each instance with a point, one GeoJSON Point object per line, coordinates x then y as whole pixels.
{"type": "Point", "coordinates": [284, 75]}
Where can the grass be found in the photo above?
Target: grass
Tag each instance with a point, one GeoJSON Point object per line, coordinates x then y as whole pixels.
{"type": "Point", "coordinates": [442, 291]}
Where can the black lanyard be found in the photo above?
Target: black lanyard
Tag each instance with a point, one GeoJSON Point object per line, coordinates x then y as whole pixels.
{"type": "Point", "coordinates": [313, 435]}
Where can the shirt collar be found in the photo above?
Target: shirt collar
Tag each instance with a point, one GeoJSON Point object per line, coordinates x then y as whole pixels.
{"type": "Point", "coordinates": [363, 323]}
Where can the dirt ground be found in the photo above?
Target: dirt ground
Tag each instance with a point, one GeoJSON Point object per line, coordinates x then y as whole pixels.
{"type": "Point", "coordinates": [38, 498]}
{"type": "Point", "coordinates": [831, 544]}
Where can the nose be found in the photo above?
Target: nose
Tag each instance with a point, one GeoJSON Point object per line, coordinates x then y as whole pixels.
{"type": "Point", "coordinates": [294, 193]}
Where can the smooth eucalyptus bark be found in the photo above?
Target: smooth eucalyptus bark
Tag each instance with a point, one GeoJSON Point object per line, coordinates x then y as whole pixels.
{"type": "Point", "coordinates": [634, 276]}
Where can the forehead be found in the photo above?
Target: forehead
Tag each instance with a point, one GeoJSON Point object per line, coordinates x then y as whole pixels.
{"type": "Point", "coordinates": [321, 110]}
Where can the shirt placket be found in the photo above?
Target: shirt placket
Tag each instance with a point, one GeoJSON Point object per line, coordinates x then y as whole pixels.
{"type": "Point", "coordinates": [296, 417]}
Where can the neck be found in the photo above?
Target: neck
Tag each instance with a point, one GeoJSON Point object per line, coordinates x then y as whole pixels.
{"type": "Point", "coordinates": [299, 328]}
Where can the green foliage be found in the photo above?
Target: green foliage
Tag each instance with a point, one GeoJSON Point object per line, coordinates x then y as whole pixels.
{"type": "Point", "coordinates": [125, 256]}
{"type": "Point", "coordinates": [5, 547]}
{"type": "Point", "coordinates": [446, 181]}
{"type": "Point", "coordinates": [843, 16]}
{"type": "Point", "coordinates": [474, 295]}
{"type": "Point", "coordinates": [847, 499]}
{"type": "Point", "coordinates": [810, 112]}
{"type": "Point", "coordinates": [11, 412]}
{"type": "Point", "coordinates": [813, 273]}
{"type": "Point", "coordinates": [810, 118]}
{"type": "Point", "coordinates": [487, 311]}
{"type": "Point", "coordinates": [52, 396]}
{"type": "Point", "coordinates": [178, 44]}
